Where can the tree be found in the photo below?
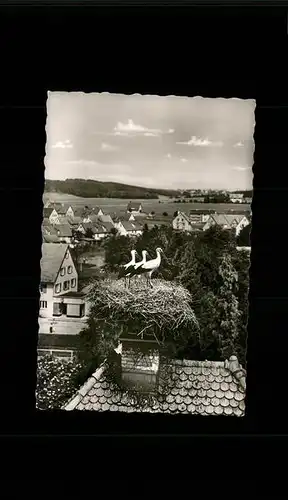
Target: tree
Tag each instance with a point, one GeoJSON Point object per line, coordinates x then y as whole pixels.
{"type": "Point", "coordinates": [165, 214]}
{"type": "Point", "coordinates": [152, 213]}
{"type": "Point", "coordinates": [114, 231]}
{"type": "Point", "coordinates": [175, 213]}
{"type": "Point", "coordinates": [117, 252]}
{"type": "Point", "coordinates": [57, 381]}
{"type": "Point", "coordinates": [243, 240]}
{"type": "Point", "coordinates": [89, 233]}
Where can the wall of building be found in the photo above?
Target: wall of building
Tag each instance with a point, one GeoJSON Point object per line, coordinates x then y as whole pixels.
{"type": "Point", "coordinates": [46, 301]}
{"type": "Point", "coordinates": [64, 275]}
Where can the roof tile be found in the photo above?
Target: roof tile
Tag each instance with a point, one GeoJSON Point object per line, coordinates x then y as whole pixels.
{"type": "Point", "coordinates": [196, 389]}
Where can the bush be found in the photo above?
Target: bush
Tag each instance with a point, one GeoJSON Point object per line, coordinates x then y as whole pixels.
{"type": "Point", "coordinates": [56, 380]}
{"type": "Point", "coordinates": [165, 214]}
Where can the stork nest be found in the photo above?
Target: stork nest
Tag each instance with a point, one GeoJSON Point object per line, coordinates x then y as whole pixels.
{"type": "Point", "coordinates": [164, 311]}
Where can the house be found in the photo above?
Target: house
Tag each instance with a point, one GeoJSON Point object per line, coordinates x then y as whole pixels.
{"type": "Point", "coordinates": [64, 209]}
{"type": "Point", "coordinates": [98, 231]}
{"type": "Point", "coordinates": [197, 199]}
{"type": "Point", "coordinates": [105, 218]}
{"type": "Point", "coordinates": [170, 386]}
{"type": "Point", "coordinates": [48, 229]}
{"type": "Point", "coordinates": [62, 220]}
{"type": "Point", "coordinates": [127, 228]}
{"type": "Point", "coordinates": [236, 197]}
{"type": "Point", "coordinates": [134, 208]}
{"type": "Point", "coordinates": [74, 222]}
{"type": "Point", "coordinates": [50, 238]}
{"type": "Point", "coordinates": [247, 200]}
{"type": "Point", "coordinates": [64, 232]}
{"type": "Point", "coordinates": [227, 221]}
{"type": "Point", "coordinates": [62, 304]}
{"type": "Point", "coordinates": [188, 223]}
{"type": "Point", "coordinates": [88, 212]}
{"type": "Point", "coordinates": [51, 214]}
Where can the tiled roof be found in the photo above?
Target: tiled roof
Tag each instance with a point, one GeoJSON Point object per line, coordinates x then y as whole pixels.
{"type": "Point", "coordinates": [64, 230]}
{"type": "Point", "coordinates": [226, 219]}
{"type": "Point", "coordinates": [50, 238]}
{"type": "Point", "coordinates": [47, 212]}
{"type": "Point", "coordinates": [74, 220]}
{"type": "Point", "coordinates": [133, 206]}
{"type": "Point", "coordinates": [107, 225]}
{"type": "Point", "coordinates": [49, 229]}
{"type": "Point", "coordinates": [52, 257]}
{"type": "Point", "coordinates": [105, 218]}
{"type": "Point", "coordinates": [189, 387]}
{"type": "Point", "coordinates": [63, 220]}
{"type": "Point", "coordinates": [128, 225]}
{"type": "Point", "coordinates": [137, 225]}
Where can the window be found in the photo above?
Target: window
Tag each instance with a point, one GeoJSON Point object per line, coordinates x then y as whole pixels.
{"type": "Point", "coordinates": [66, 285]}
{"type": "Point", "coordinates": [43, 304]}
{"type": "Point", "coordinates": [70, 269]}
{"type": "Point", "coordinates": [67, 255]}
{"type": "Point", "coordinates": [58, 288]}
{"type": "Point", "coordinates": [43, 288]}
{"type": "Point", "coordinates": [62, 271]}
{"type": "Point", "coordinates": [73, 282]}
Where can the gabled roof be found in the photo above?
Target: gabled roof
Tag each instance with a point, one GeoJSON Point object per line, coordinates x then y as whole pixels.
{"type": "Point", "coordinates": [47, 212]}
{"type": "Point", "coordinates": [189, 387]}
{"type": "Point", "coordinates": [74, 221]}
{"type": "Point", "coordinates": [52, 257]}
{"type": "Point", "coordinates": [226, 219]}
{"type": "Point", "coordinates": [133, 206]}
{"type": "Point", "coordinates": [137, 226]}
{"type": "Point", "coordinates": [63, 220]}
{"type": "Point", "coordinates": [105, 218]}
{"type": "Point", "coordinates": [50, 238]}
{"type": "Point", "coordinates": [64, 230]}
{"type": "Point", "coordinates": [107, 225]}
{"type": "Point", "coordinates": [49, 229]}
{"type": "Point", "coordinates": [128, 225]}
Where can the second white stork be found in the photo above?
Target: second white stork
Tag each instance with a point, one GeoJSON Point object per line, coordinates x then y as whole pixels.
{"type": "Point", "coordinates": [126, 269]}
{"type": "Point", "coordinates": [148, 267]}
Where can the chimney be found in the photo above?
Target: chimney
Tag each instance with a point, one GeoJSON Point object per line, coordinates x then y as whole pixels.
{"type": "Point", "coordinates": [238, 372]}
{"type": "Point", "coordinates": [139, 368]}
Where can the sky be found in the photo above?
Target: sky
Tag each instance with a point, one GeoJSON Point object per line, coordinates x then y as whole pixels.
{"type": "Point", "coordinates": [152, 141]}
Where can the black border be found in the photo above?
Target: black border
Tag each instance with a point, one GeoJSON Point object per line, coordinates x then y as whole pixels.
{"type": "Point", "coordinates": [219, 51]}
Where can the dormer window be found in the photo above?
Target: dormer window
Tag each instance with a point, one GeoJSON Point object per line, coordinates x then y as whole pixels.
{"type": "Point", "coordinates": [62, 271]}
{"type": "Point", "coordinates": [70, 269]}
{"type": "Point", "coordinates": [140, 370]}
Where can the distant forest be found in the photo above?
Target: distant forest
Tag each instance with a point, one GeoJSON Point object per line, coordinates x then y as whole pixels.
{"type": "Point", "coordinates": [96, 189]}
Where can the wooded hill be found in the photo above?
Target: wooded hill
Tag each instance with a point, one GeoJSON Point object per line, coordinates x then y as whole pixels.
{"type": "Point", "coordinates": [96, 189]}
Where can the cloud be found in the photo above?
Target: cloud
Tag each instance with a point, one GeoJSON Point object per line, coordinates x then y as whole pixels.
{"type": "Point", "coordinates": [131, 129]}
{"type": "Point", "coordinates": [240, 169]}
{"type": "Point", "coordinates": [238, 145]}
{"type": "Point", "coordinates": [107, 147]}
{"type": "Point", "coordinates": [184, 160]}
{"type": "Point", "coordinates": [195, 141]}
{"type": "Point", "coordinates": [63, 144]}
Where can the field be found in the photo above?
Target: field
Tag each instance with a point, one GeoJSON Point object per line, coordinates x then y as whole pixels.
{"type": "Point", "coordinates": [158, 206]}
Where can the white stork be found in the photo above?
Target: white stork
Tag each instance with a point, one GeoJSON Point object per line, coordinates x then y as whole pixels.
{"type": "Point", "coordinates": [148, 267]}
{"type": "Point", "coordinates": [125, 271]}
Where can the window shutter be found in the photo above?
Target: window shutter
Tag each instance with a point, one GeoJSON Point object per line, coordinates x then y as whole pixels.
{"type": "Point", "coordinates": [73, 310]}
